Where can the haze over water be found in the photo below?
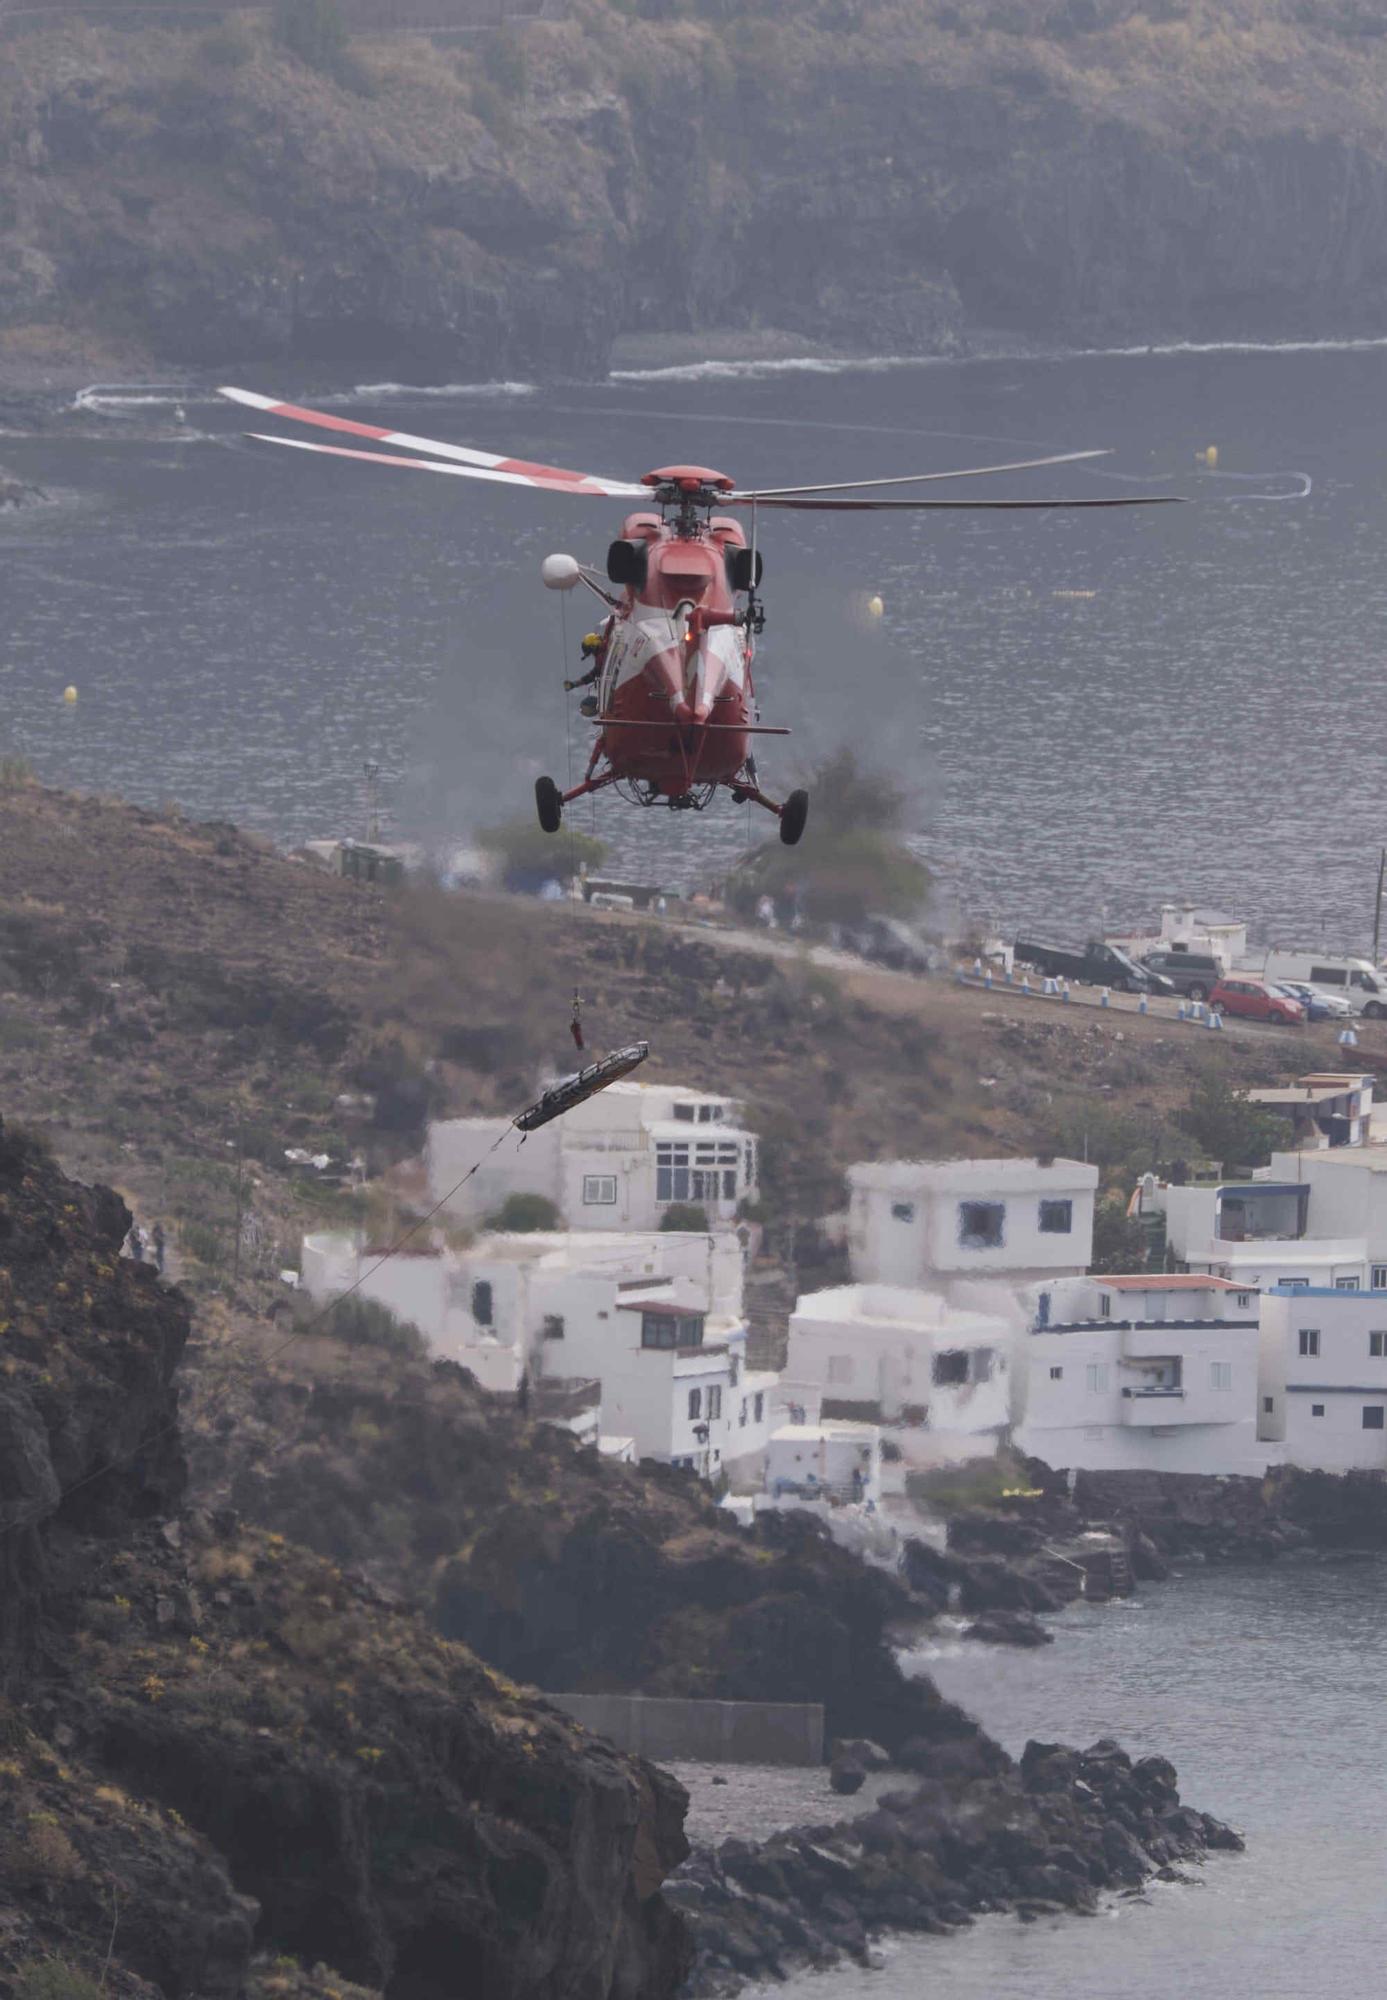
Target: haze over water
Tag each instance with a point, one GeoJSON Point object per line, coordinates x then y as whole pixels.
{"type": "Point", "coordinates": [1092, 711]}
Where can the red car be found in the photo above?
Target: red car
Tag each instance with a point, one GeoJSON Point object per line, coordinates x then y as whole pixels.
{"type": "Point", "coordinates": [1255, 1000]}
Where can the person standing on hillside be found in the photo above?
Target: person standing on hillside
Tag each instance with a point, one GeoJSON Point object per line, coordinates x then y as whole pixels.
{"type": "Point", "coordinates": [158, 1240]}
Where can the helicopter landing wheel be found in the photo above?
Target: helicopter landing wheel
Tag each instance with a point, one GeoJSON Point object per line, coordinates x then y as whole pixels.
{"type": "Point", "coordinates": [793, 815]}
{"type": "Point", "coordinates": [548, 804]}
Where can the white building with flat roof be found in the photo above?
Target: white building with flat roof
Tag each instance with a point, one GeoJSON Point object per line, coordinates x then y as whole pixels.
{"type": "Point", "coordinates": [1322, 1387]}
{"type": "Point", "coordinates": [1266, 1230]}
{"type": "Point", "coordinates": [1324, 1110]}
{"type": "Point", "coordinates": [616, 1162]}
{"type": "Point", "coordinates": [834, 1459]}
{"type": "Point", "coordinates": [654, 1322]}
{"type": "Point", "coordinates": [943, 1224]}
{"type": "Point", "coordinates": [898, 1355]}
{"type": "Point", "coordinates": [1144, 1373]}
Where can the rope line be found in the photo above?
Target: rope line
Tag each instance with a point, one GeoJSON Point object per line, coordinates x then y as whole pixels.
{"type": "Point", "coordinates": [295, 1333]}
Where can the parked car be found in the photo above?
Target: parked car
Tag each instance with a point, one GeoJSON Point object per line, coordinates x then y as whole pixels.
{"type": "Point", "coordinates": [1098, 964]}
{"type": "Point", "coordinates": [1189, 972]}
{"type": "Point", "coordinates": [1318, 1006]}
{"type": "Point", "coordinates": [1362, 984]}
{"type": "Point", "coordinates": [1255, 1000]}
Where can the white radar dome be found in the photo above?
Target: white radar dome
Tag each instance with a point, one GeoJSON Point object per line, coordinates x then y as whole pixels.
{"type": "Point", "coordinates": [560, 572]}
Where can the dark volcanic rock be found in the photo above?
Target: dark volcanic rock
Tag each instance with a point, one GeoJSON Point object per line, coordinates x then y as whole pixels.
{"type": "Point", "coordinates": [1008, 1628]}
{"type": "Point", "coordinates": [1050, 1833]}
{"type": "Point", "coordinates": [249, 1744]}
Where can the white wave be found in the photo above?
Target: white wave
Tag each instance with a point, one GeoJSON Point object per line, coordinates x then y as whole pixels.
{"type": "Point", "coordinates": [800, 364]}
{"type": "Point", "coordinates": [131, 396]}
{"type": "Point", "coordinates": [871, 364]}
{"type": "Point", "coordinates": [384, 392]}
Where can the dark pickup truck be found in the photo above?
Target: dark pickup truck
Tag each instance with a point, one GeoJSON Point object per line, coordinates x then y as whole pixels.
{"type": "Point", "coordinates": [1097, 964]}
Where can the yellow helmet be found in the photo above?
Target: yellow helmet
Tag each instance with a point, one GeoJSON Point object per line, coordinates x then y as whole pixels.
{"type": "Point", "coordinates": [593, 642]}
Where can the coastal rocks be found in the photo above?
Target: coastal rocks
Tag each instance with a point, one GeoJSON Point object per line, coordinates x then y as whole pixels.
{"type": "Point", "coordinates": [1008, 1628]}
{"type": "Point", "coordinates": [1054, 1832]}
{"type": "Point", "coordinates": [846, 1777]}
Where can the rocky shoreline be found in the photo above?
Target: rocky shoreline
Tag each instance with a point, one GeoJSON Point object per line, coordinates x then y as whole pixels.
{"type": "Point", "coordinates": [1055, 1832]}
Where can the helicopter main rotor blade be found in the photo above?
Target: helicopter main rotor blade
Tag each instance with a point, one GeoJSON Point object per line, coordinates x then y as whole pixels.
{"type": "Point", "coordinates": [552, 477]}
{"type": "Point", "coordinates": [918, 478]}
{"type": "Point", "coordinates": [588, 490]}
{"type": "Point", "coordinates": [949, 506]}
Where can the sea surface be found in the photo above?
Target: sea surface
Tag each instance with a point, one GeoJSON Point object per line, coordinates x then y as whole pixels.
{"type": "Point", "coordinates": [1266, 1687]}
{"type": "Point", "coordinates": [1088, 713]}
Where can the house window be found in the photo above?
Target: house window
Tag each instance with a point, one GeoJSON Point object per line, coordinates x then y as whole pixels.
{"type": "Point", "coordinates": [1097, 1377]}
{"type": "Point", "coordinates": [902, 1211]}
{"type": "Point", "coordinates": [715, 1402]}
{"type": "Point", "coordinates": [951, 1367]}
{"type": "Point", "coordinates": [1372, 1416]}
{"type": "Point", "coordinates": [1377, 1345]}
{"type": "Point", "coordinates": [1105, 1305]}
{"type": "Point", "coordinates": [1221, 1374]}
{"type": "Point", "coordinates": [481, 1302]}
{"type": "Point", "coordinates": [1296, 1284]}
{"type": "Point", "coordinates": [1056, 1218]}
{"type": "Point", "coordinates": [983, 1359]}
{"type": "Point", "coordinates": [599, 1190]}
{"type": "Point", "coordinates": [981, 1224]}
{"type": "Point", "coordinates": [1317, 1409]}
{"type": "Point", "coordinates": [695, 1404]}
{"type": "Point", "coordinates": [1346, 1284]}
{"type": "Point", "coordinates": [1268, 1404]}
{"type": "Point", "coordinates": [709, 1114]}
{"type": "Point", "coordinates": [663, 1330]}
{"type": "Point", "coordinates": [1309, 1340]}
{"type": "Point", "coordinates": [839, 1368]}
{"type": "Point", "coordinates": [1056, 1374]}
{"type": "Point", "coordinates": [741, 1421]}
{"type": "Point", "coordinates": [1380, 1277]}
{"type": "Point", "coordinates": [685, 1113]}
{"type": "Point", "coordinates": [759, 1408]}
{"type": "Point", "coordinates": [1244, 1301]}
{"type": "Point", "coordinates": [671, 1172]}
{"type": "Point", "coordinates": [553, 1326]}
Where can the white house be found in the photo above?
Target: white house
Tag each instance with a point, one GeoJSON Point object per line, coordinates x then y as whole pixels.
{"type": "Point", "coordinates": [1141, 1373]}
{"type": "Point", "coordinates": [616, 1162]}
{"type": "Point", "coordinates": [944, 1224]}
{"type": "Point", "coordinates": [834, 1458]}
{"type": "Point", "coordinates": [1347, 1192]}
{"type": "Point", "coordinates": [1264, 1231]}
{"type": "Point", "coordinates": [1322, 1387]}
{"type": "Point", "coordinates": [1183, 927]}
{"type": "Point", "coordinates": [1329, 1108]}
{"type": "Point", "coordinates": [653, 1322]}
{"type": "Point", "coordinates": [888, 1353]}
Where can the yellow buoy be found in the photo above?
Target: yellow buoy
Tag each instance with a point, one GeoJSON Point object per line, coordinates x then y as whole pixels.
{"type": "Point", "coordinates": [69, 695]}
{"type": "Point", "coordinates": [1209, 456]}
{"type": "Point", "coordinates": [876, 607]}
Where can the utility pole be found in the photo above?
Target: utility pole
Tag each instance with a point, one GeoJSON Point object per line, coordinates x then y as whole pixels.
{"type": "Point", "coordinates": [1377, 907]}
{"type": "Point", "coordinates": [371, 771]}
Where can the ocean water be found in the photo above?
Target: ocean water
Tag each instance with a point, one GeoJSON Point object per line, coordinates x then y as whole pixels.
{"type": "Point", "coordinates": [1088, 712]}
{"type": "Point", "coordinates": [1265, 1686]}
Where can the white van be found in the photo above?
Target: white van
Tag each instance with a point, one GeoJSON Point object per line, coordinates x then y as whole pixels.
{"type": "Point", "coordinates": [1357, 980]}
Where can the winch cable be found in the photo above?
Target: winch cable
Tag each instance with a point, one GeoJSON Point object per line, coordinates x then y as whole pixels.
{"type": "Point", "coordinates": [297, 1333]}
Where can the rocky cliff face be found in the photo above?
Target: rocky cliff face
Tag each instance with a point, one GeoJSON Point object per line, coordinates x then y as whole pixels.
{"type": "Point", "coordinates": [212, 1738]}
{"type": "Point", "coordinates": [889, 177]}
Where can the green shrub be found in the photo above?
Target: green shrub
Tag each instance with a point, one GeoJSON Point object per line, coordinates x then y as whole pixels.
{"type": "Point", "coordinates": [528, 856]}
{"type": "Point", "coordinates": [686, 1218]}
{"type": "Point", "coordinates": [205, 1243]}
{"type": "Point", "coordinates": [314, 31]}
{"type": "Point", "coordinates": [505, 62]}
{"type": "Point", "coordinates": [53, 1979]}
{"type": "Point", "coordinates": [227, 46]}
{"type": "Point", "coordinates": [359, 1322]}
{"type": "Point", "coordinates": [521, 1214]}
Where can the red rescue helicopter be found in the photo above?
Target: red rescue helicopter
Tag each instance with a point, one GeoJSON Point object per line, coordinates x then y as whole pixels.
{"type": "Point", "coordinates": [674, 708]}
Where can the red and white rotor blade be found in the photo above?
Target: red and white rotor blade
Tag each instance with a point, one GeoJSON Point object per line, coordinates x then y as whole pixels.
{"type": "Point", "coordinates": [521, 471]}
{"type": "Point", "coordinates": [586, 491]}
{"type": "Point", "coordinates": [959, 506]}
{"type": "Point", "coordinates": [918, 478]}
